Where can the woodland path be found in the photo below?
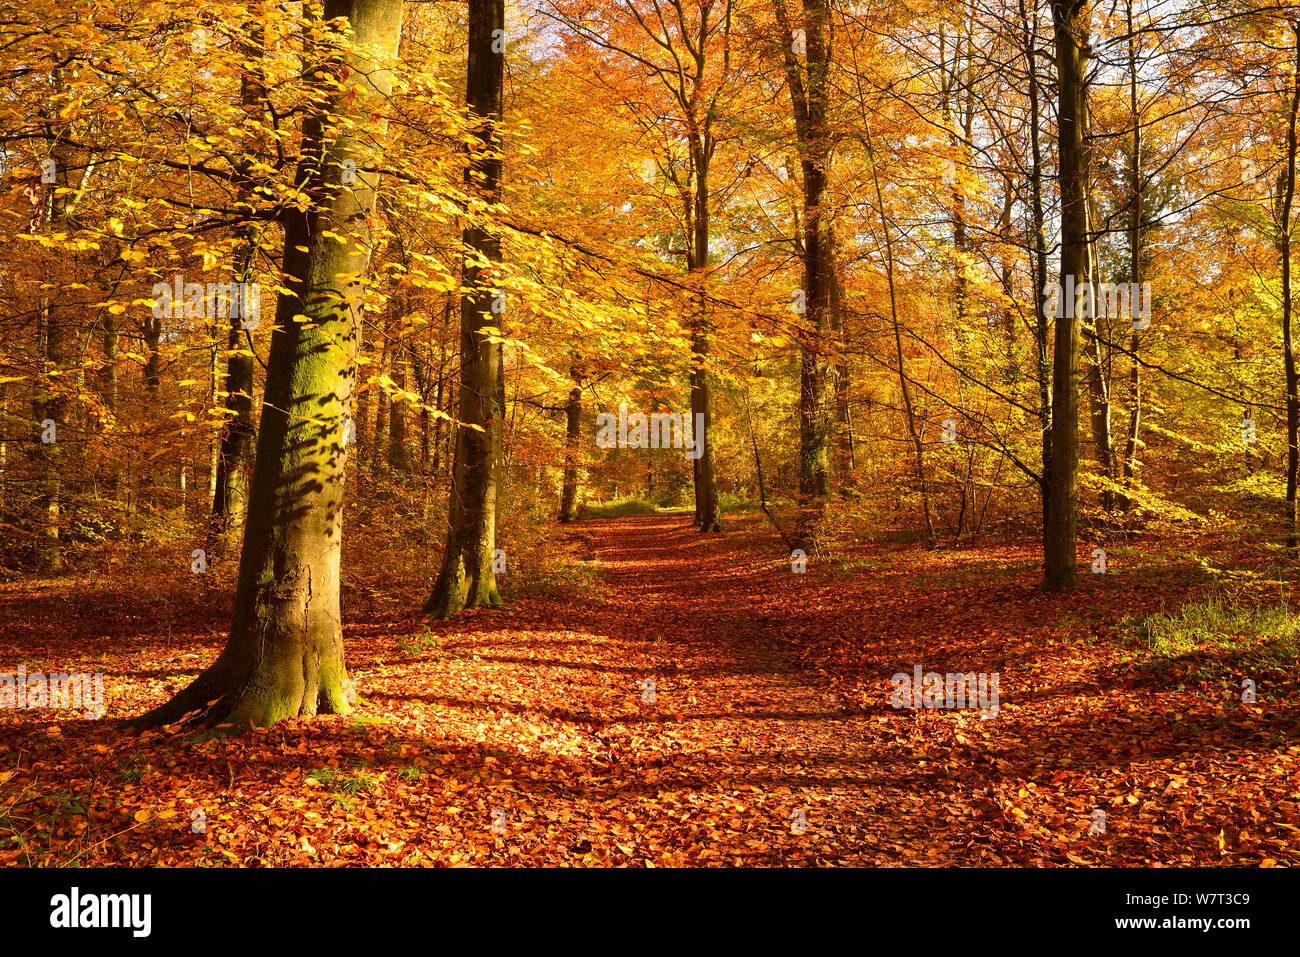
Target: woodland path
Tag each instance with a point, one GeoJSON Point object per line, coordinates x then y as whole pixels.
{"type": "Point", "coordinates": [771, 708]}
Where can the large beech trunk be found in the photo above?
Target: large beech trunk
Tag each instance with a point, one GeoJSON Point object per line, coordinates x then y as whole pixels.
{"type": "Point", "coordinates": [809, 95]}
{"type": "Point", "coordinates": [1071, 19]}
{"type": "Point", "coordinates": [284, 656]}
{"type": "Point", "coordinates": [466, 578]}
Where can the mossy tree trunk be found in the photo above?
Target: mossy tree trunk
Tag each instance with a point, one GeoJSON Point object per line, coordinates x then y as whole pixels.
{"type": "Point", "coordinates": [466, 578]}
{"type": "Point", "coordinates": [284, 656]}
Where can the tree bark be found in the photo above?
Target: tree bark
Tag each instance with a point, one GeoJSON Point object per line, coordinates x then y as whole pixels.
{"type": "Point", "coordinates": [466, 578]}
{"type": "Point", "coordinates": [51, 399]}
{"type": "Point", "coordinates": [397, 457]}
{"type": "Point", "coordinates": [1071, 21]}
{"type": "Point", "coordinates": [235, 452]}
{"type": "Point", "coordinates": [235, 455]}
{"type": "Point", "coordinates": [707, 514]}
{"type": "Point", "coordinates": [1043, 367]}
{"type": "Point", "coordinates": [809, 95]}
{"type": "Point", "coordinates": [572, 435]}
{"type": "Point", "coordinates": [1136, 211]}
{"type": "Point", "coordinates": [918, 446]}
{"type": "Point", "coordinates": [1285, 201]}
{"type": "Point", "coordinates": [285, 656]}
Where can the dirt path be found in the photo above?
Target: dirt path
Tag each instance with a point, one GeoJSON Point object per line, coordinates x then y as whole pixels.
{"type": "Point", "coordinates": [530, 736]}
{"type": "Point", "coordinates": [741, 758]}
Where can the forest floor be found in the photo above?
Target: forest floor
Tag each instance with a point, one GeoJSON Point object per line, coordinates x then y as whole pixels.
{"type": "Point", "coordinates": [767, 736]}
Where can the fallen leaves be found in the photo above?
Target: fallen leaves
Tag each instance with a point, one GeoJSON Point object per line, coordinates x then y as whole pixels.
{"type": "Point", "coordinates": [772, 701]}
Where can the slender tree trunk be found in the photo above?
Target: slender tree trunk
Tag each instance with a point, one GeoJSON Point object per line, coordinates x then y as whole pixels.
{"type": "Point", "coordinates": [1136, 212]}
{"type": "Point", "coordinates": [1286, 201]}
{"type": "Point", "coordinates": [1071, 20]}
{"type": "Point", "coordinates": [235, 450]}
{"type": "Point", "coordinates": [466, 578]}
{"type": "Point", "coordinates": [913, 433]}
{"type": "Point", "coordinates": [397, 458]}
{"type": "Point", "coordinates": [235, 459]}
{"type": "Point", "coordinates": [51, 422]}
{"type": "Point", "coordinates": [708, 515]}
{"type": "Point", "coordinates": [809, 95]}
{"type": "Point", "coordinates": [108, 394]}
{"type": "Point", "coordinates": [845, 451]}
{"type": "Point", "coordinates": [284, 656]}
{"type": "Point", "coordinates": [1099, 368]}
{"type": "Point", "coordinates": [439, 402]}
{"type": "Point", "coordinates": [153, 360]}
{"type": "Point", "coordinates": [572, 436]}
{"type": "Point", "coordinates": [51, 405]}
{"type": "Point", "coordinates": [420, 370]}
{"type": "Point", "coordinates": [1099, 398]}
{"type": "Point", "coordinates": [379, 441]}
{"type": "Point", "coordinates": [1042, 322]}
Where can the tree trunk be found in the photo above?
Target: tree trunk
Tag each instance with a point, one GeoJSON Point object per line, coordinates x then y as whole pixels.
{"type": "Point", "coordinates": [235, 458]}
{"type": "Point", "coordinates": [1099, 406]}
{"type": "Point", "coordinates": [707, 514]}
{"type": "Point", "coordinates": [809, 95]}
{"type": "Point", "coordinates": [1286, 200]}
{"type": "Point", "coordinates": [572, 435]}
{"type": "Point", "coordinates": [466, 578]}
{"type": "Point", "coordinates": [845, 452]}
{"type": "Point", "coordinates": [1135, 269]}
{"type": "Point", "coordinates": [1071, 20]}
{"type": "Point", "coordinates": [1043, 367]}
{"type": "Point", "coordinates": [50, 410]}
{"type": "Point", "coordinates": [918, 447]}
{"type": "Point", "coordinates": [284, 656]}
{"type": "Point", "coordinates": [397, 458]}
{"type": "Point", "coordinates": [442, 387]}
{"type": "Point", "coordinates": [235, 452]}
{"type": "Point", "coordinates": [379, 441]}
{"type": "Point", "coordinates": [51, 405]}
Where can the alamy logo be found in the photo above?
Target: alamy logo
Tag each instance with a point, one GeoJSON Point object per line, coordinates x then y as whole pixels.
{"type": "Point", "coordinates": [82, 692]}
{"type": "Point", "coordinates": [659, 430]}
{"type": "Point", "coordinates": [947, 690]}
{"type": "Point", "coordinates": [102, 910]}
{"type": "Point", "coordinates": [1090, 300]}
{"type": "Point", "coordinates": [217, 300]}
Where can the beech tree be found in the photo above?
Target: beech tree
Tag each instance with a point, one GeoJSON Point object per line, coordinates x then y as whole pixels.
{"type": "Point", "coordinates": [284, 656]}
{"type": "Point", "coordinates": [1071, 28]}
{"type": "Point", "coordinates": [466, 578]}
{"type": "Point", "coordinates": [807, 61]}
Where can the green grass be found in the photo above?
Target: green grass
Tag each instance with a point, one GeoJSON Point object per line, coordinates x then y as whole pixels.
{"type": "Point", "coordinates": [618, 508]}
{"type": "Point", "coordinates": [422, 643]}
{"type": "Point", "coordinates": [1215, 624]}
{"type": "Point", "coordinates": [344, 785]}
{"type": "Point", "coordinates": [1216, 638]}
